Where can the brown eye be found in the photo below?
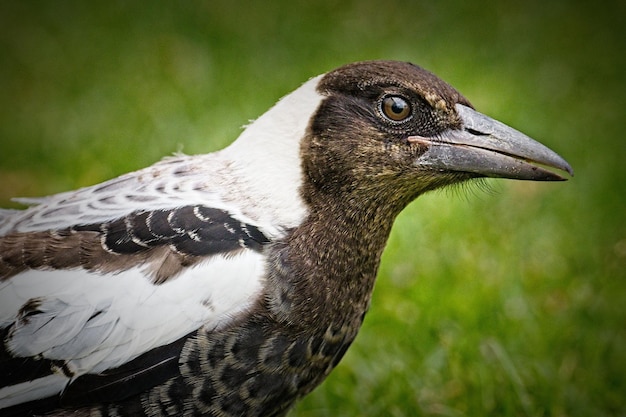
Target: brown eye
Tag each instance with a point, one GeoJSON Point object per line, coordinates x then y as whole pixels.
{"type": "Point", "coordinates": [395, 108]}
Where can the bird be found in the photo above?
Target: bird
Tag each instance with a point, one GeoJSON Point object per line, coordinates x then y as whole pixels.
{"type": "Point", "coordinates": [232, 283]}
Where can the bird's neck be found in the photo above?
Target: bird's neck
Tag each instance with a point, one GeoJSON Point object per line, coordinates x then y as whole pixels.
{"type": "Point", "coordinates": [327, 266]}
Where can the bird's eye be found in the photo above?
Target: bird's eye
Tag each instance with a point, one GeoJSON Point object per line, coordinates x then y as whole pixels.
{"type": "Point", "coordinates": [395, 108]}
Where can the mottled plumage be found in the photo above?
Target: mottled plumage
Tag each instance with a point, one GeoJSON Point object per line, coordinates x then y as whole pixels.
{"type": "Point", "coordinates": [232, 283]}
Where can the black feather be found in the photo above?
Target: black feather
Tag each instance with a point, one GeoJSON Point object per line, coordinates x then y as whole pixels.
{"type": "Point", "coordinates": [190, 230]}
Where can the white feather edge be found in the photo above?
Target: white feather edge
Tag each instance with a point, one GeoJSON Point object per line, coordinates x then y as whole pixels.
{"type": "Point", "coordinates": [137, 315]}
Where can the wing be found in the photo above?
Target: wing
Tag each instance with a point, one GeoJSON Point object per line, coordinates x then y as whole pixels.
{"type": "Point", "coordinates": [108, 297]}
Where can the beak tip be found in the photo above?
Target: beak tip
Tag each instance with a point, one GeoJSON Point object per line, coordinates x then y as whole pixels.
{"type": "Point", "coordinates": [564, 166]}
{"type": "Point", "coordinates": [550, 175]}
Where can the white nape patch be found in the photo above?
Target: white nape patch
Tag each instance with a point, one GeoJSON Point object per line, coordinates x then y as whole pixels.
{"type": "Point", "coordinates": [256, 179]}
{"type": "Point", "coordinates": [97, 322]}
{"type": "Point", "coordinates": [266, 157]}
{"type": "Point", "coordinates": [32, 390]}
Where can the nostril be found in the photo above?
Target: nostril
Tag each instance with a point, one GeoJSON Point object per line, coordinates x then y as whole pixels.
{"type": "Point", "coordinates": [476, 132]}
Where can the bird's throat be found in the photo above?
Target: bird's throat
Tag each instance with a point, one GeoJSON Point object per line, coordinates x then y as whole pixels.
{"type": "Point", "coordinates": [327, 266]}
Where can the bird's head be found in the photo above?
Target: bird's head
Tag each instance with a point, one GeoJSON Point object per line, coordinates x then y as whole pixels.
{"type": "Point", "coordinates": [386, 127]}
{"type": "Point", "coordinates": [381, 132]}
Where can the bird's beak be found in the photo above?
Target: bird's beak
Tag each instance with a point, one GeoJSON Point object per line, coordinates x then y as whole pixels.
{"type": "Point", "coordinates": [489, 148]}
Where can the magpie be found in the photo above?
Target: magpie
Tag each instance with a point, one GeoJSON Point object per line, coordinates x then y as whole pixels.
{"type": "Point", "coordinates": [232, 283]}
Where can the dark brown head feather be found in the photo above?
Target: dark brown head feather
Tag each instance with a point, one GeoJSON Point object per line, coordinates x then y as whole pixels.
{"type": "Point", "coordinates": [362, 76]}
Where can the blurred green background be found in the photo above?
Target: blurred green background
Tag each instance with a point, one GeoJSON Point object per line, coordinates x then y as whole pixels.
{"type": "Point", "coordinates": [510, 302]}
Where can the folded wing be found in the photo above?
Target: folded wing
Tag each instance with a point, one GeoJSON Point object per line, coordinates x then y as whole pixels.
{"type": "Point", "coordinates": [106, 303]}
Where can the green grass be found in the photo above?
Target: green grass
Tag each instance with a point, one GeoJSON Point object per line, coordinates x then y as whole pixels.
{"type": "Point", "coordinates": [510, 302]}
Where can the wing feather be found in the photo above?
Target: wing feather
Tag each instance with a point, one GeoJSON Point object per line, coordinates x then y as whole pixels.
{"type": "Point", "coordinates": [92, 303]}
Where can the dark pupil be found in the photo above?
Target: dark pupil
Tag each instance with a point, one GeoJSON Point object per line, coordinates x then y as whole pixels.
{"type": "Point", "coordinates": [397, 105]}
